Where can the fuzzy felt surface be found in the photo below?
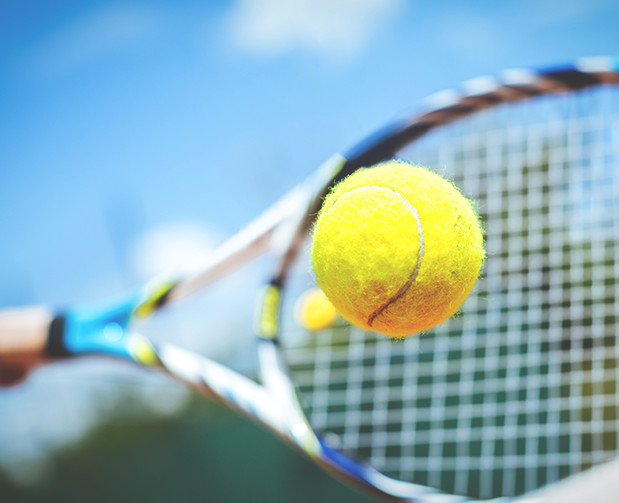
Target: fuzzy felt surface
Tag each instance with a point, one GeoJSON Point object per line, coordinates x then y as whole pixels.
{"type": "Point", "coordinates": [397, 248]}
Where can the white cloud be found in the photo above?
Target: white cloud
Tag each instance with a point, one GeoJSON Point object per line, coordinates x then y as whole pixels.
{"type": "Point", "coordinates": [336, 28]}
{"type": "Point", "coordinates": [99, 33]}
{"type": "Point", "coordinates": [171, 248]}
{"type": "Point", "coordinates": [207, 321]}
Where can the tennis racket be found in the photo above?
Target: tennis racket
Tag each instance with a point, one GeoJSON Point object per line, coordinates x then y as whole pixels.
{"type": "Point", "coordinates": [517, 392]}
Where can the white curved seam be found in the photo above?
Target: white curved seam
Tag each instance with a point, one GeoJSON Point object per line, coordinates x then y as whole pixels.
{"type": "Point", "coordinates": [400, 293]}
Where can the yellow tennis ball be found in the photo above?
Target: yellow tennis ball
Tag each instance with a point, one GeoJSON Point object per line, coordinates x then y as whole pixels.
{"type": "Point", "coordinates": [314, 310]}
{"type": "Point", "coordinates": [397, 248]}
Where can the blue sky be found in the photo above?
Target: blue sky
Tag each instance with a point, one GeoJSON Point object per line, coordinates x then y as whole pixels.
{"type": "Point", "coordinates": [134, 133]}
{"type": "Point", "coordinates": [122, 117]}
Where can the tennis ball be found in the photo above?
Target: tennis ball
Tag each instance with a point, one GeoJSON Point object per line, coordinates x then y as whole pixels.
{"type": "Point", "coordinates": [314, 310]}
{"type": "Point", "coordinates": [397, 248]}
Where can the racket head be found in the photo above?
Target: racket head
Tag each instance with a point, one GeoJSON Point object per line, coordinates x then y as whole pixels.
{"type": "Point", "coordinates": [485, 405]}
{"type": "Point", "coordinates": [519, 389]}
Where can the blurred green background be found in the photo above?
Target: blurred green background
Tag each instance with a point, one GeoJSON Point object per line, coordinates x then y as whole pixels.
{"type": "Point", "coordinates": [205, 454]}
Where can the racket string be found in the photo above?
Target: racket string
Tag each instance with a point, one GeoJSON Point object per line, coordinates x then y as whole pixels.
{"type": "Point", "coordinates": [520, 389]}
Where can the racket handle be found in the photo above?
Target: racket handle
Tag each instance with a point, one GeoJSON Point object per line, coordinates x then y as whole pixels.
{"type": "Point", "coordinates": [23, 341]}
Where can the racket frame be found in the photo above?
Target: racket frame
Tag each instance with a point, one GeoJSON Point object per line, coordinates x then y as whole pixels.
{"type": "Point", "coordinates": [282, 229]}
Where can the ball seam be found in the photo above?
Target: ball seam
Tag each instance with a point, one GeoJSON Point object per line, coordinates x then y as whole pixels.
{"type": "Point", "coordinates": [402, 291]}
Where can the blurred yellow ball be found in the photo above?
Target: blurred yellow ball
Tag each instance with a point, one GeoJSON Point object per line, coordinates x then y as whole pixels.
{"type": "Point", "coordinates": [314, 311]}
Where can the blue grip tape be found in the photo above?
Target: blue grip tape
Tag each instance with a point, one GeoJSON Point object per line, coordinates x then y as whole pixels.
{"type": "Point", "coordinates": [99, 329]}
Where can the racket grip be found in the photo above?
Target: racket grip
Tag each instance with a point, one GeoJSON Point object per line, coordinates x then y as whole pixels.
{"type": "Point", "coordinates": [23, 341]}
